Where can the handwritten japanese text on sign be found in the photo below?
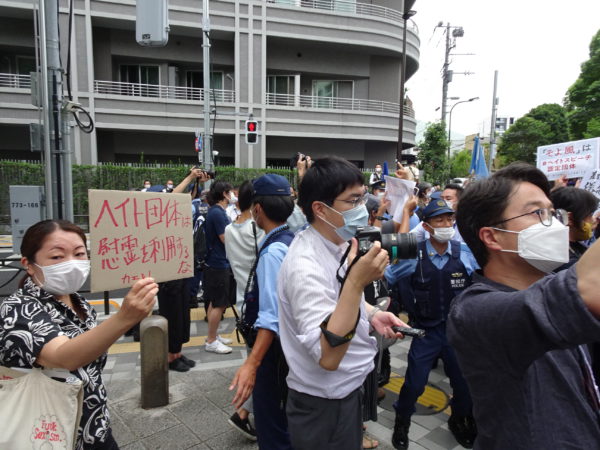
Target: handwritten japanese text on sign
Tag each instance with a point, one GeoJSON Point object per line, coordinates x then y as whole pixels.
{"type": "Point", "coordinates": [591, 182]}
{"type": "Point", "coordinates": [572, 159]}
{"type": "Point", "coordinates": [134, 235]}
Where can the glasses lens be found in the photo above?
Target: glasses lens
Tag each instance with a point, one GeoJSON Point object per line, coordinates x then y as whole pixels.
{"type": "Point", "coordinates": [562, 216]}
{"type": "Point", "coordinates": [545, 216]}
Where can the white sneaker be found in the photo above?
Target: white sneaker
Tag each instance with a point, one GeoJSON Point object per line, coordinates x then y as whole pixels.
{"type": "Point", "coordinates": [217, 347]}
{"type": "Point", "coordinates": [224, 340]}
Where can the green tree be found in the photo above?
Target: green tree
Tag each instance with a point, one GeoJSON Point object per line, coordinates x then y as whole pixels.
{"type": "Point", "coordinates": [434, 145]}
{"type": "Point", "coordinates": [460, 163]}
{"type": "Point", "coordinates": [555, 117]}
{"type": "Point", "coordinates": [521, 140]}
{"type": "Point", "coordinates": [583, 97]}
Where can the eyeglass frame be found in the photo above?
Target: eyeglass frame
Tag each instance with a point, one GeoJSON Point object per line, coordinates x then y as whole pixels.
{"type": "Point", "coordinates": [552, 214]}
{"type": "Point", "coordinates": [358, 201]}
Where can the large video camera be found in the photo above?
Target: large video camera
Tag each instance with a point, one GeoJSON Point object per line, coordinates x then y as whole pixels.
{"type": "Point", "coordinates": [398, 245]}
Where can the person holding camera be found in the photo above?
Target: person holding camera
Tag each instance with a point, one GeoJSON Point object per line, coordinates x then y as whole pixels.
{"type": "Point", "coordinates": [519, 331]}
{"type": "Point", "coordinates": [324, 322]}
{"type": "Point", "coordinates": [264, 371]}
{"type": "Point", "coordinates": [428, 284]}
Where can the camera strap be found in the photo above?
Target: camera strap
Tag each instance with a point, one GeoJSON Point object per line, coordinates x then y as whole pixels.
{"type": "Point", "coordinates": [341, 279]}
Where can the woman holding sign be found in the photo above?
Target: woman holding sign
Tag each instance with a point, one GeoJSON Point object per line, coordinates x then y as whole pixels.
{"type": "Point", "coordinates": [46, 323]}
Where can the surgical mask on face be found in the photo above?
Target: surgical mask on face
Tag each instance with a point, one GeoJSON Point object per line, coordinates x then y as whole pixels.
{"type": "Point", "coordinates": [66, 277]}
{"type": "Point", "coordinates": [450, 203]}
{"type": "Point", "coordinates": [170, 185]}
{"type": "Point", "coordinates": [380, 195]}
{"type": "Point", "coordinates": [545, 248]}
{"type": "Point", "coordinates": [378, 169]}
{"type": "Point", "coordinates": [443, 234]}
{"type": "Point", "coordinates": [146, 186]}
{"type": "Point", "coordinates": [353, 219]}
{"type": "Point", "coordinates": [232, 199]}
{"type": "Point", "coordinates": [584, 233]}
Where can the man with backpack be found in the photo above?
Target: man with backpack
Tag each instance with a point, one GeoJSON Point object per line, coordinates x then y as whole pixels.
{"type": "Point", "coordinates": [264, 371]}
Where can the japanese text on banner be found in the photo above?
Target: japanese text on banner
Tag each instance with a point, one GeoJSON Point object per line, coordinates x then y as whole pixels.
{"type": "Point", "coordinates": [134, 235]}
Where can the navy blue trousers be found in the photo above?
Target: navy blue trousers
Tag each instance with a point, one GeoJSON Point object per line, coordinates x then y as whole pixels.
{"type": "Point", "coordinates": [268, 400]}
{"type": "Point", "coordinates": [422, 355]}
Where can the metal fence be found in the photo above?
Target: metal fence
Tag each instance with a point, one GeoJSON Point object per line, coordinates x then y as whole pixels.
{"type": "Point", "coordinates": [162, 91]}
{"type": "Point", "coordinates": [12, 80]}
{"type": "Point", "coordinates": [353, 104]}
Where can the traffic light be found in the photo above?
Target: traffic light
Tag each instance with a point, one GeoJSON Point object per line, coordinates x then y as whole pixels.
{"type": "Point", "coordinates": [251, 132]}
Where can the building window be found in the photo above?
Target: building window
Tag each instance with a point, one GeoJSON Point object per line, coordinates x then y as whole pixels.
{"type": "Point", "coordinates": [144, 80]}
{"type": "Point", "coordinates": [281, 89]}
{"type": "Point", "coordinates": [328, 92]}
{"type": "Point", "coordinates": [195, 79]}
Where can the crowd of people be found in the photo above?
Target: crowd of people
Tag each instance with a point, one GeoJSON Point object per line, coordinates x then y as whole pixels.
{"type": "Point", "coordinates": [502, 279]}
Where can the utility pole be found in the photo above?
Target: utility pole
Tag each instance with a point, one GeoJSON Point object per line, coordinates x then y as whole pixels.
{"type": "Point", "coordinates": [493, 126]}
{"type": "Point", "coordinates": [407, 15]}
{"type": "Point", "coordinates": [447, 74]}
{"type": "Point", "coordinates": [58, 162]}
{"type": "Point", "coordinates": [207, 138]}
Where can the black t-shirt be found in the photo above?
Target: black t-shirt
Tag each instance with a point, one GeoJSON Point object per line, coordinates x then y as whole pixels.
{"type": "Point", "coordinates": [521, 353]}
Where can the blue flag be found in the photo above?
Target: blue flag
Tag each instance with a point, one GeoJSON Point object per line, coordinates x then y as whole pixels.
{"type": "Point", "coordinates": [478, 168]}
{"type": "Point", "coordinates": [385, 168]}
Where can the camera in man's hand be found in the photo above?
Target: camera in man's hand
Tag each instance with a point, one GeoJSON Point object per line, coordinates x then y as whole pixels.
{"type": "Point", "coordinates": [398, 245]}
{"type": "Point", "coordinates": [294, 161]}
{"type": "Point", "coordinates": [209, 173]}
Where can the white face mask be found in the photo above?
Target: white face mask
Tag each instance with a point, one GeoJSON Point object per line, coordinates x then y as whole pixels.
{"type": "Point", "coordinates": [377, 169]}
{"type": "Point", "coordinates": [380, 195]}
{"type": "Point", "coordinates": [170, 185]}
{"type": "Point", "coordinates": [545, 248]}
{"type": "Point", "coordinates": [232, 199]}
{"type": "Point", "coordinates": [450, 203]}
{"type": "Point", "coordinates": [146, 186]}
{"type": "Point", "coordinates": [443, 234]}
{"type": "Point", "coordinates": [66, 277]}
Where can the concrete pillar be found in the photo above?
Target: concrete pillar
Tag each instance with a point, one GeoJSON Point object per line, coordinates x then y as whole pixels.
{"type": "Point", "coordinates": [155, 364]}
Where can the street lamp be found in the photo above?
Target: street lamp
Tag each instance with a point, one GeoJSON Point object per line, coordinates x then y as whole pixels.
{"type": "Point", "coordinates": [407, 15]}
{"type": "Point", "coordinates": [450, 122]}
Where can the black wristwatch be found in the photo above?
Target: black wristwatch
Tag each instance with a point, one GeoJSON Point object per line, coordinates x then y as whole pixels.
{"type": "Point", "coordinates": [333, 339]}
{"type": "Point", "coordinates": [381, 218]}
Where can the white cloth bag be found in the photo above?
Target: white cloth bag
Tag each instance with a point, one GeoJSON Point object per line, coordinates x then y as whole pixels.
{"type": "Point", "coordinates": [37, 412]}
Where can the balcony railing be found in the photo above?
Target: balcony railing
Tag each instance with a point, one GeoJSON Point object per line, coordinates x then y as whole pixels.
{"type": "Point", "coordinates": [161, 91]}
{"type": "Point", "coordinates": [354, 104]}
{"type": "Point", "coordinates": [347, 6]}
{"type": "Point", "coordinates": [11, 80]}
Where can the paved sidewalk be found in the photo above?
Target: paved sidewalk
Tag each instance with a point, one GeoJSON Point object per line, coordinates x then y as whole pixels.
{"type": "Point", "coordinates": [200, 402]}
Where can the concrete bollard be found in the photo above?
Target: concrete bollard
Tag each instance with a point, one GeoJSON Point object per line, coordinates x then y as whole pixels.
{"type": "Point", "coordinates": [155, 364]}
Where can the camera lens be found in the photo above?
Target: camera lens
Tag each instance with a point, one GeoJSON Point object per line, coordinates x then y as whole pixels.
{"type": "Point", "coordinates": [399, 246]}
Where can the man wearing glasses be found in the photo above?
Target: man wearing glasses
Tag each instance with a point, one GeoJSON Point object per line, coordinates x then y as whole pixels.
{"type": "Point", "coordinates": [324, 322]}
{"type": "Point", "coordinates": [519, 331]}
{"type": "Point", "coordinates": [427, 286]}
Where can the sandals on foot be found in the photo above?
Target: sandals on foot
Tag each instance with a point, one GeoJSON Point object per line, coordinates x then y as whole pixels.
{"type": "Point", "coordinates": [369, 442]}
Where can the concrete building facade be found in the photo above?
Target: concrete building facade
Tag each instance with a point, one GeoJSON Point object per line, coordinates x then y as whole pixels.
{"type": "Point", "coordinates": [320, 76]}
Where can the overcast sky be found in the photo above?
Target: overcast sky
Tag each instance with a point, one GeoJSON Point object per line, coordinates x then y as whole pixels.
{"type": "Point", "coordinates": [537, 46]}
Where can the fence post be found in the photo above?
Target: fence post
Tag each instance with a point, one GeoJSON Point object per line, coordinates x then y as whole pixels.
{"type": "Point", "coordinates": [155, 365]}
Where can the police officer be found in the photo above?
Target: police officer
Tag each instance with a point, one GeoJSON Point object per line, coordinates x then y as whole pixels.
{"type": "Point", "coordinates": [442, 269]}
{"type": "Point", "coordinates": [264, 371]}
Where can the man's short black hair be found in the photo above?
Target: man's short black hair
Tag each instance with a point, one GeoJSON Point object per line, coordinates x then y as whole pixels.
{"type": "Point", "coordinates": [457, 187]}
{"type": "Point", "coordinates": [276, 207]}
{"type": "Point", "coordinates": [578, 202]}
{"type": "Point", "coordinates": [324, 181]}
{"type": "Point", "coordinates": [245, 192]}
{"type": "Point", "coordinates": [483, 202]}
{"type": "Point", "coordinates": [217, 192]}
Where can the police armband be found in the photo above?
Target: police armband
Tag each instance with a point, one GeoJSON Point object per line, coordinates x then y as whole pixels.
{"type": "Point", "coordinates": [333, 339]}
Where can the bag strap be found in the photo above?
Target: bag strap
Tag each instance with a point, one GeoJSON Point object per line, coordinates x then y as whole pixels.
{"type": "Point", "coordinates": [255, 243]}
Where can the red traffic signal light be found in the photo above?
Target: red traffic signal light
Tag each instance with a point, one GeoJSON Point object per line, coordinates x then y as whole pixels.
{"type": "Point", "coordinates": [251, 132]}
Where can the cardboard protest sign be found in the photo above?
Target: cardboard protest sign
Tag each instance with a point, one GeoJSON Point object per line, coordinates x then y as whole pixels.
{"type": "Point", "coordinates": [572, 159]}
{"type": "Point", "coordinates": [591, 182]}
{"type": "Point", "coordinates": [134, 235]}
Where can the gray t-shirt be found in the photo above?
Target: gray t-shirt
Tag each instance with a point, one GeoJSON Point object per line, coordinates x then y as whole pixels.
{"type": "Point", "coordinates": [521, 353]}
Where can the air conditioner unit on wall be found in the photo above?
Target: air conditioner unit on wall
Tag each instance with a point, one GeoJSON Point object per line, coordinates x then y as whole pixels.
{"type": "Point", "coordinates": [152, 23]}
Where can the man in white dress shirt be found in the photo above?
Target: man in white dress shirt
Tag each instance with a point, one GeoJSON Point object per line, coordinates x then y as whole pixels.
{"type": "Point", "coordinates": [324, 321]}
